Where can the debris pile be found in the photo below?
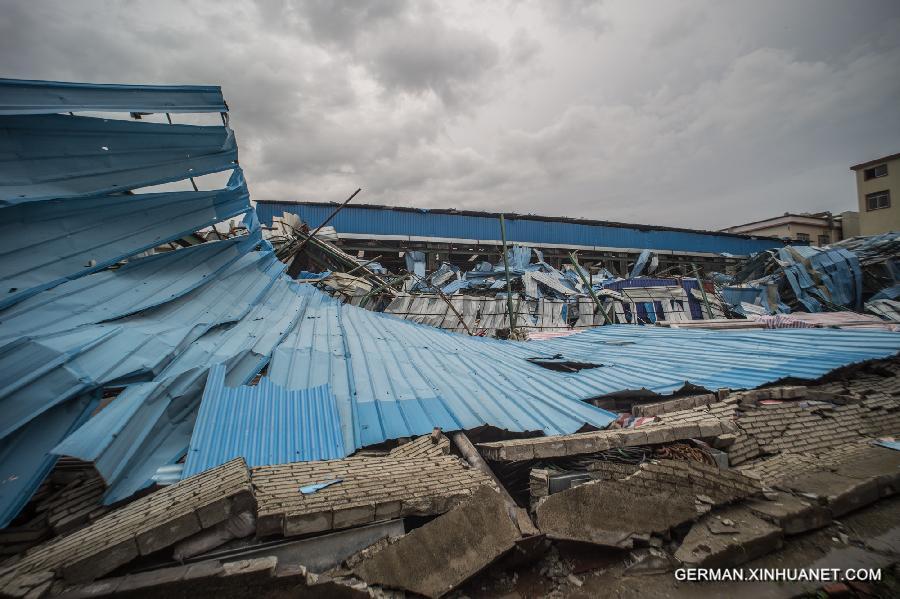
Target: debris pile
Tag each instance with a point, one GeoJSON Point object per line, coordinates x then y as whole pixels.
{"type": "Point", "coordinates": [861, 273]}
{"type": "Point", "coordinates": [185, 413]}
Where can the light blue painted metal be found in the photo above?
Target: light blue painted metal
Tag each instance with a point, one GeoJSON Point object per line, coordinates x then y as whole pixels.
{"type": "Point", "coordinates": [382, 220]}
{"type": "Point", "coordinates": [128, 448]}
{"type": "Point", "coordinates": [18, 96]}
{"type": "Point", "coordinates": [41, 378]}
{"type": "Point", "coordinates": [140, 284]}
{"type": "Point", "coordinates": [41, 371]}
{"type": "Point", "coordinates": [394, 378]}
{"type": "Point", "coordinates": [640, 263]}
{"type": "Point", "coordinates": [55, 156]}
{"type": "Point", "coordinates": [25, 458]}
{"type": "Point", "coordinates": [43, 244]}
{"type": "Point", "coordinates": [265, 425]}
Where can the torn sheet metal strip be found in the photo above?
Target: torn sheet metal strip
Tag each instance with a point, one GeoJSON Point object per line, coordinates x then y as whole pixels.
{"type": "Point", "coordinates": [46, 243]}
{"type": "Point", "coordinates": [18, 96]}
{"type": "Point", "coordinates": [61, 156]}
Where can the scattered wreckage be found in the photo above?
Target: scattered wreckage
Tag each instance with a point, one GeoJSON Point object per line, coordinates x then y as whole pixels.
{"type": "Point", "coordinates": [187, 411]}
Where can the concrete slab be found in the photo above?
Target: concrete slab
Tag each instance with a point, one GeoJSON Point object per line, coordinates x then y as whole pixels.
{"type": "Point", "coordinates": [434, 559]}
{"type": "Point", "coordinates": [727, 538]}
{"type": "Point", "coordinates": [792, 514]}
{"type": "Point", "coordinates": [840, 494]}
{"type": "Point", "coordinates": [612, 514]}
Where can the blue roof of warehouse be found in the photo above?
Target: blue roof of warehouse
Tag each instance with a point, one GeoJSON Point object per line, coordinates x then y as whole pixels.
{"type": "Point", "coordinates": [368, 219]}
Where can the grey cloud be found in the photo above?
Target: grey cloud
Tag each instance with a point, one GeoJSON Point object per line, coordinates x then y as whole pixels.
{"type": "Point", "coordinates": [698, 115]}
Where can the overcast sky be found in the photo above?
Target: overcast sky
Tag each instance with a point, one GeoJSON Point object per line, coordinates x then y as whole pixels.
{"type": "Point", "coordinates": [697, 113]}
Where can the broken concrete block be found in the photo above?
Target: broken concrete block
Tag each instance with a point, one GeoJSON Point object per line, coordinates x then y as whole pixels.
{"type": "Point", "coordinates": [792, 514]}
{"type": "Point", "coordinates": [611, 513]}
{"type": "Point", "coordinates": [168, 534]}
{"type": "Point", "coordinates": [712, 543]}
{"type": "Point", "coordinates": [549, 447]}
{"type": "Point", "coordinates": [576, 445]}
{"type": "Point", "coordinates": [434, 559]}
{"type": "Point", "coordinates": [301, 524]}
{"type": "Point", "coordinates": [101, 562]}
{"type": "Point", "coordinates": [237, 527]}
{"type": "Point", "coordinates": [841, 494]}
{"type": "Point", "coordinates": [876, 463]}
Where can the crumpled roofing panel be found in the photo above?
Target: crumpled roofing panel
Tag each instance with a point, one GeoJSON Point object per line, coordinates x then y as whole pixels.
{"type": "Point", "coordinates": [53, 156]}
{"type": "Point", "coordinates": [60, 346]}
{"type": "Point", "coordinates": [42, 370]}
{"type": "Point", "coordinates": [139, 285]}
{"type": "Point", "coordinates": [128, 448]}
{"type": "Point", "coordinates": [394, 378]}
{"type": "Point", "coordinates": [43, 244]}
{"type": "Point", "coordinates": [265, 424]}
{"type": "Point", "coordinates": [19, 96]}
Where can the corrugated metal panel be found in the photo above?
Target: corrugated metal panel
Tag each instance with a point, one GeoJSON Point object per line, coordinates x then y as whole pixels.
{"type": "Point", "coordinates": [518, 229]}
{"type": "Point", "coordinates": [44, 243]}
{"type": "Point", "coordinates": [394, 378]}
{"type": "Point", "coordinates": [265, 425]}
{"type": "Point", "coordinates": [141, 284]}
{"type": "Point", "coordinates": [41, 370]}
{"type": "Point", "coordinates": [662, 359]}
{"type": "Point", "coordinates": [60, 156]}
{"type": "Point", "coordinates": [19, 96]}
{"type": "Point", "coordinates": [25, 458]}
{"type": "Point", "coordinates": [128, 446]}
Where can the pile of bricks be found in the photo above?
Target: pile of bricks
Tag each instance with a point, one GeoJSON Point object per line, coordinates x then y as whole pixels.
{"type": "Point", "coordinates": [371, 489]}
{"type": "Point", "coordinates": [142, 527]}
{"type": "Point", "coordinates": [696, 423]}
{"type": "Point", "coordinates": [674, 405]}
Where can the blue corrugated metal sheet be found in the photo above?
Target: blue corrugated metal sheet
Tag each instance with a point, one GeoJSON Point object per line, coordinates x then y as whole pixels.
{"type": "Point", "coordinates": [43, 367]}
{"type": "Point", "coordinates": [127, 447]}
{"type": "Point", "coordinates": [140, 284]}
{"type": "Point", "coordinates": [60, 156]}
{"type": "Point", "coordinates": [25, 458]}
{"type": "Point", "coordinates": [44, 97]}
{"type": "Point", "coordinates": [265, 425]}
{"type": "Point", "coordinates": [519, 229]}
{"type": "Point", "coordinates": [43, 244]}
{"type": "Point", "coordinates": [393, 378]}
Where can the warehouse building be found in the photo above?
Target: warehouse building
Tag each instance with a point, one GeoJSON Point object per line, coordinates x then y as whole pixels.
{"type": "Point", "coordinates": [462, 236]}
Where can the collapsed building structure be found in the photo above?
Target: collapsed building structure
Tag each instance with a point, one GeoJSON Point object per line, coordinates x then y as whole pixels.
{"type": "Point", "coordinates": [180, 415]}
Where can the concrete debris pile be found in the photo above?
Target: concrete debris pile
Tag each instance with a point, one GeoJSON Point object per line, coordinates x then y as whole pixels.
{"type": "Point", "coordinates": [187, 410]}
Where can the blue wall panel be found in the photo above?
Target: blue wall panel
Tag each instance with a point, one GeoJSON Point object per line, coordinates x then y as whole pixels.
{"type": "Point", "coordinates": [382, 221]}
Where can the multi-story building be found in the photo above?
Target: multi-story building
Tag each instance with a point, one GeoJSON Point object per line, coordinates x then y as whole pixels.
{"type": "Point", "coordinates": [820, 228]}
{"type": "Point", "coordinates": [877, 188]}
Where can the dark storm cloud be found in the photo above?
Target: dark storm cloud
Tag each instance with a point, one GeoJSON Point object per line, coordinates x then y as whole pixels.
{"type": "Point", "coordinates": [701, 114]}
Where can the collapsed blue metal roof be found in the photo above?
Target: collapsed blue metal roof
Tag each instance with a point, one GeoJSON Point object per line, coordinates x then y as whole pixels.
{"type": "Point", "coordinates": [386, 220]}
{"type": "Point", "coordinates": [265, 424]}
{"type": "Point", "coordinates": [62, 340]}
{"type": "Point", "coordinates": [43, 244]}
{"type": "Point", "coordinates": [19, 96]}
{"type": "Point", "coordinates": [395, 378]}
{"type": "Point", "coordinates": [45, 157]}
{"type": "Point", "coordinates": [158, 324]}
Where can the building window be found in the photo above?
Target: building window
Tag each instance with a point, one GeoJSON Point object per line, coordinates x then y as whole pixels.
{"type": "Point", "coordinates": [875, 172]}
{"type": "Point", "coordinates": [802, 237]}
{"type": "Point", "coordinates": [824, 240]}
{"type": "Point", "coordinates": [878, 200]}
